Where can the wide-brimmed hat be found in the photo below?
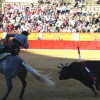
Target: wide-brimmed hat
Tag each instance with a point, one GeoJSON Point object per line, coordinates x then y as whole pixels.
{"type": "Point", "coordinates": [26, 33]}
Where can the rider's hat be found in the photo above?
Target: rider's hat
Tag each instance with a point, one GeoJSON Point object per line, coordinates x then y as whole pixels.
{"type": "Point", "coordinates": [25, 33]}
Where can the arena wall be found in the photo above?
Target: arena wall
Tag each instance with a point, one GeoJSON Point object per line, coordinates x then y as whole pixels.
{"type": "Point", "coordinates": [86, 41]}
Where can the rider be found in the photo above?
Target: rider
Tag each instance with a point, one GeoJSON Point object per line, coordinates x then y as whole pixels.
{"type": "Point", "coordinates": [19, 40]}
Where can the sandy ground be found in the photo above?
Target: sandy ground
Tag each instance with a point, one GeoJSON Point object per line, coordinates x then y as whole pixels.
{"type": "Point", "coordinates": [46, 61]}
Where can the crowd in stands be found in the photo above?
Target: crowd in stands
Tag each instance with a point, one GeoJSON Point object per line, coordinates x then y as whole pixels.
{"type": "Point", "coordinates": [97, 2]}
{"type": "Point", "coordinates": [54, 17]}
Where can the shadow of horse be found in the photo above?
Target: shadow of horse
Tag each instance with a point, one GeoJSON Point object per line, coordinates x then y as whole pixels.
{"type": "Point", "coordinates": [13, 66]}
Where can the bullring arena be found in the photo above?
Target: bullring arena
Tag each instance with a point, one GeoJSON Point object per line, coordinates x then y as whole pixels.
{"type": "Point", "coordinates": [46, 61]}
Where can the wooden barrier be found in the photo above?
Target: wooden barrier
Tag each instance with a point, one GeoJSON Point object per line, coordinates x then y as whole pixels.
{"type": "Point", "coordinates": [86, 41]}
{"type": "Point", "coordinates": [60, 44]}
{"type": "Point", "coordinates": [62, 36]}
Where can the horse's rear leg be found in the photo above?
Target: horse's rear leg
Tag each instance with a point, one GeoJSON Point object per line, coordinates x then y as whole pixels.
{"type": "Point", "coordinates": [23, 88]}
{"type": "Point", "coordinates": [9, 87]}
{"type": "Point", "coordinates": [22, 75]}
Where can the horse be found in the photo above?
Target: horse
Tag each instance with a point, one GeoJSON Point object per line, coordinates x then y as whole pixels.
{"type": "Point", "coordinates": [12, 66]}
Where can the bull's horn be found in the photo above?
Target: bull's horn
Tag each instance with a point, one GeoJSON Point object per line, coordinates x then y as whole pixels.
{"type": "Point", "coordinates": [60, 66]}
{"type": "Point", "coordinates": [66, 65]}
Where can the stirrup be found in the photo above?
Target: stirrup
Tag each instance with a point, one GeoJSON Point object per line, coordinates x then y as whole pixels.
{"type": "Point", "coordinates": [4, 55]}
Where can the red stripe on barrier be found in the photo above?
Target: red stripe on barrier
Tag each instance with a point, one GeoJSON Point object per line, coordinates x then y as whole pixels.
{"type": "Point", "coordinates": [58, 44]}
{"type": "Point", "coordinates": [97, 45]}
{"type": "Point", "coordinates": [46, 44]}
{"type": "Point", "coordinates": [61, 44]}
{"type": "Point", "coordinates": [85, 45]}
{"type": "Point", "coordinates": [34, 44]}
{"type": "Point", "coordinates": [69, 45]}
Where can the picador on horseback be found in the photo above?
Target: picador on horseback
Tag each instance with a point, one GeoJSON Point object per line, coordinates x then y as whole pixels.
{"type": "Point", "coordinates": [13, 48]}
{"type": "Point", "coordinates": [12, 65]}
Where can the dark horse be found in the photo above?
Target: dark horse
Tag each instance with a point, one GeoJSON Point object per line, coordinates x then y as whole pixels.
{"type": "Point", "coordinates": [13, 66]}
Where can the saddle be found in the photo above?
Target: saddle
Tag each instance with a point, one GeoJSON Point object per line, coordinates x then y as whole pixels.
{"type": "Point", "coordinates": [13, 49]}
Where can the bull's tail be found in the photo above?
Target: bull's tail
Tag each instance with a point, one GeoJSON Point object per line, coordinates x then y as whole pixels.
{"type": "Point", "coordinates": [45, 79]}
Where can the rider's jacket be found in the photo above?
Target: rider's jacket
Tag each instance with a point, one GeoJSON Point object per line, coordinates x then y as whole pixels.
{"type": "Point", "coordinates": [22, 39]}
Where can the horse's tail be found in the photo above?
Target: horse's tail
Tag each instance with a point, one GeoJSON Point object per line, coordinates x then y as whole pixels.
{"type": "Point", "coordinates": [40, 77]}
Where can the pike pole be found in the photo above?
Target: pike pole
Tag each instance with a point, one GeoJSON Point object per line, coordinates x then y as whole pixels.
{"type": "Point", "coordinates": [80, 60]}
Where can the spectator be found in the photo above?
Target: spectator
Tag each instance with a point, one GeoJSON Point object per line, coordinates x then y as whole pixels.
{"type": "Point", "coordinates": [97, 2]}
{"type": "Point", "coordinates": [10, 27]}
{"type": "Point", "coordinates": [53, 18]}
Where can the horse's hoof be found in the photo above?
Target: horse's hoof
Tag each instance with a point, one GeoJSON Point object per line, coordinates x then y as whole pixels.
{"type": "Point", "coordinates": [96, 94]}
{"type": "Point", "coordinates": [20, 97]}
{"type": "Point", "coordinates": [2, 99]}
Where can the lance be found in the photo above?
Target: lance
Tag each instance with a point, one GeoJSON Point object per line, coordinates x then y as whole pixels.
{"type": "Point", "coordinates": [90, 74]}
{"type": "Point", "coordinates": [79, 53]}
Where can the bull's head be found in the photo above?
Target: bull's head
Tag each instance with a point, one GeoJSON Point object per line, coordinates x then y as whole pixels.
{"type": "Point", "coordinates": [64, 73]}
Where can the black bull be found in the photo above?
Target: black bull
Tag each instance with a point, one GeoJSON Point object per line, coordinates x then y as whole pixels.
{"type": "Point", "coordinates": [76, 70]}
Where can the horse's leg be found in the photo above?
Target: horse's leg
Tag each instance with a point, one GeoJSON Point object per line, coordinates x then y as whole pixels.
{"type": "Point", "coordinates": [23, 88]}
{"type": "Point", "coordinates": [22, 76]}
{"type": "Point", "coordinates": [9, 87]}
